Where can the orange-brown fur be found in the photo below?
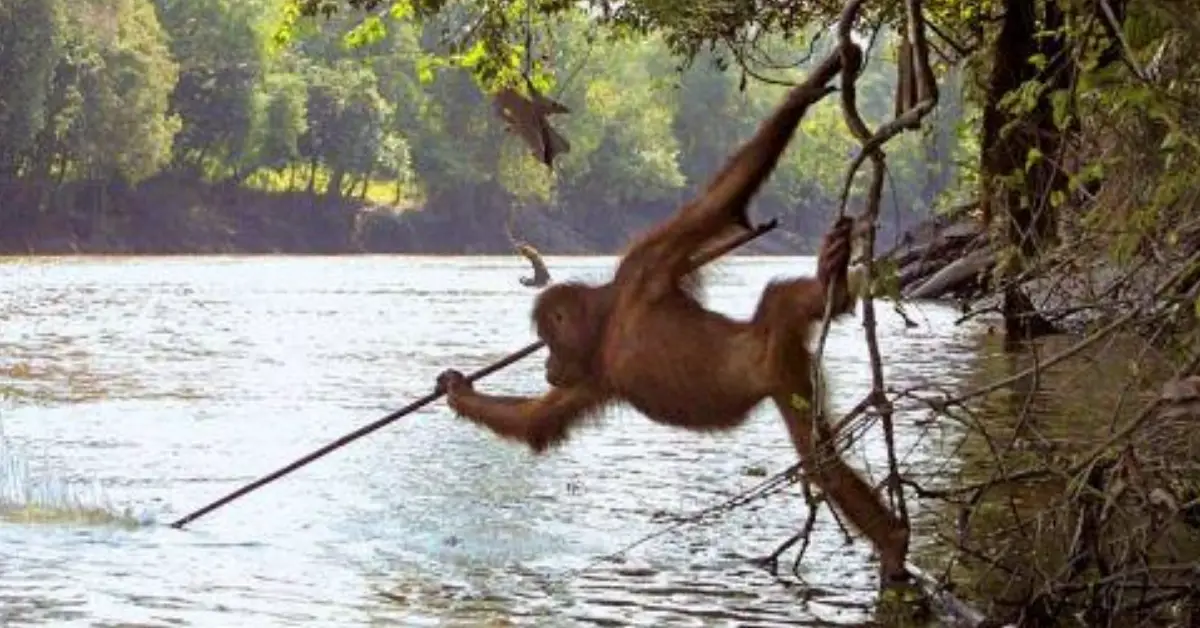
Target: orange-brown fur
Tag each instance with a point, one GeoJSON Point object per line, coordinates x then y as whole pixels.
{"type": "Point", "coordinates": [644, 339]}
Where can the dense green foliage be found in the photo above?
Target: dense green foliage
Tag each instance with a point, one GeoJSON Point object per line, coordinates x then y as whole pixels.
{"type": "Point", "coordinates": [390, 107]}
{"type": "Point", "coordinates": [104, 96]}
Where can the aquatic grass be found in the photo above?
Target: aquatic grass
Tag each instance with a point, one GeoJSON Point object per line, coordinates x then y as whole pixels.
{"type": "Point", "coordinates": [49, 498]}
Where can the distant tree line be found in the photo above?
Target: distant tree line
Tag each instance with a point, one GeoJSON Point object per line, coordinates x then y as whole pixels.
{"type": "Point", "coordinates": [102, 97]}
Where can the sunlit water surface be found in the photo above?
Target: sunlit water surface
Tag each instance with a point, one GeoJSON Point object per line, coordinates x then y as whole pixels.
{"type": "Point", "coordinates": [170, 382]}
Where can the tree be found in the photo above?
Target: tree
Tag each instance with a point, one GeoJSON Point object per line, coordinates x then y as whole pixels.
{"type": "Point", "coordinates": [346, 117]}
{"type": "Point", "coordinates": [29, 48]}
{"type": "Point", "coordinates": [284, 120]}
{"type": "Point", "coordinates": [221, 56]}
{"type": "Point", "coordinates": [107, 113]}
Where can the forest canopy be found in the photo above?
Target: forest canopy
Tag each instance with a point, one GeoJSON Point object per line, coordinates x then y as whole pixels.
{"type": "Point", "coordinates": [387, 104]}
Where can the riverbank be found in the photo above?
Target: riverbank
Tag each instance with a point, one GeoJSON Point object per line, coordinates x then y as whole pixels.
{"type": "Point", "coordinates": [169, 215]}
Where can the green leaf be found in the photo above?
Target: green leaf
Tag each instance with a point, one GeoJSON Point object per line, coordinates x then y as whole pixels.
{"type": "Point", "coordinates": [1060, 101]}
{"type": "Point", "coordinates": [425, 65]}
{"type": "Point", "coordinates": [542, 81]}
{"type": "Point", "coordinates": [1033, 158]}
{"type": "Point", "coordinates": [1091, 172]}
{"type": "Point", "coordinates": [370, 31]}
{"type": "Point", "coordinates": [401, 9]}
{"type": "Point", "coordinates": [473, 56]}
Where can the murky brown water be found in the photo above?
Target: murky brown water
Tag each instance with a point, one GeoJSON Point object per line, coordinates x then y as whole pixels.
{"type": "Point", "coordinates": [173, 381]}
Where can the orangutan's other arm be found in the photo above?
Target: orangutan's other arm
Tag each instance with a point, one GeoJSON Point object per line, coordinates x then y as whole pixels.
{"type": "Point", "coordinates": [802, 300]}
{"type": "Point", "coordinates": [539, 422]}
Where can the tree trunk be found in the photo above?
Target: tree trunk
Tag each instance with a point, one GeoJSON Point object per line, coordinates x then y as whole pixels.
{"type": "Point", "coordinates": [1010, 68]}
{"type": "Point", "coordinates": [312, 176]}
{"type": "Point", "coordinates": [1027, 204]}
{"type": "Point", "coordinates": [366, 182]}
{"type": "Point", "coordinates": [336, 178]}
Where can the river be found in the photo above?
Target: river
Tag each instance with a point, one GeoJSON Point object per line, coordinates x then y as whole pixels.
{"type": "Point", "coordinates": [171, 381]}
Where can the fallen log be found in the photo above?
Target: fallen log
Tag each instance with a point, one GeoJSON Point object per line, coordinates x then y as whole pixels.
{"type": "Point", "coordinates": [930, 239]}
{"type": "Point", "coordinates": [947, 244]}
{"type": "Point", "coordinates": [953, 276]}
{"type": "Point", "coordinates": [932, 246]}
{"type": "Point", "coordinates": [920, 271]}
{"type": "Point", "coordinates": [912, 274]}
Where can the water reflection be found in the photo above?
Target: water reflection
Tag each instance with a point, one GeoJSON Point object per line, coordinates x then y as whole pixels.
{"type": "Point", "coordinates": [174, 380]}
{"type": "Point", "coordinates": [1019, 536]}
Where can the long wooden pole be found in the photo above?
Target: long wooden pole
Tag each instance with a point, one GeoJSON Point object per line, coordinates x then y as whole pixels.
{"type": "Point", "coordinates": [700, 260]}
